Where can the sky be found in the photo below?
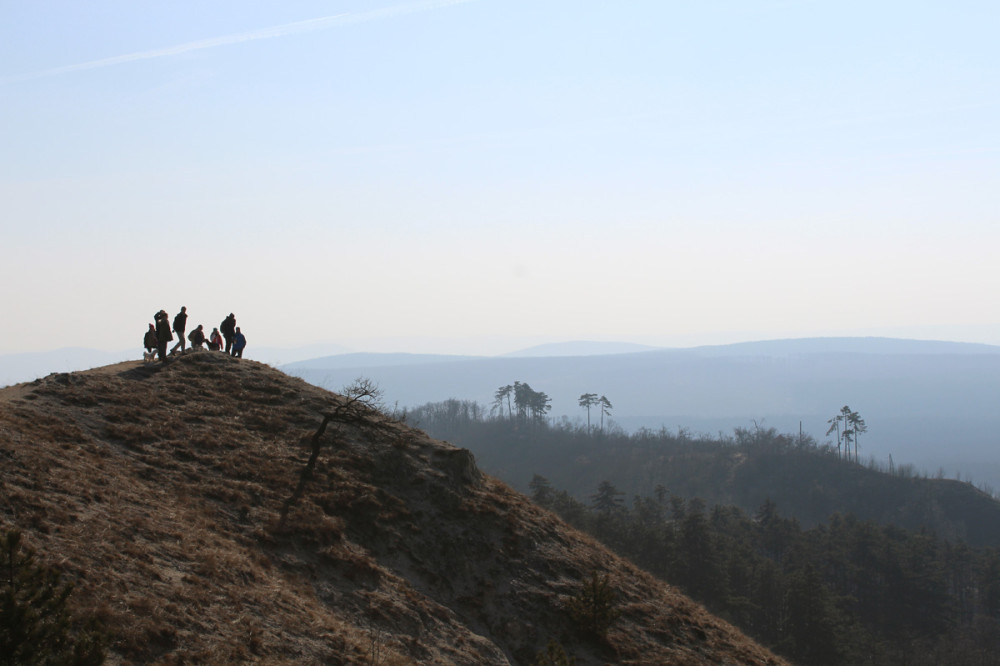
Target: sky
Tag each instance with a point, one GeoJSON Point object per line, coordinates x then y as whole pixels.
{"type": "Point", "coordinates": [473, 176]}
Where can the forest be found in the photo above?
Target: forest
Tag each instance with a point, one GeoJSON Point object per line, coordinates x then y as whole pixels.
{"type": "Point", "coordinates": [809, 480]}
{"type": "Point", "coordinates": [800, 570]}
{"type": "Point", "coordinates": [844, 592]}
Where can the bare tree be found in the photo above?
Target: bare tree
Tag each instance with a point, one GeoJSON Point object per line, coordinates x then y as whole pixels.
{"type": "Point", "coordinates": [360, 407]}
{"type": "Point", "coordinates": [364, 391]}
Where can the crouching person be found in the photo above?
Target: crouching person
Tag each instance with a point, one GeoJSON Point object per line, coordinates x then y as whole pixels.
{"type": "Point", "coordinates": [215, 340]}
{"type": "Point", "coordinates": [197, 337]}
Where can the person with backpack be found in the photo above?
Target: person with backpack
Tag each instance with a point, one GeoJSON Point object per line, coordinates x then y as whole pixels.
{"type": "Point", "coordinates": [180, 323]}
{"type": "Point", "coordinates": [239, 343]}
{"type": "Point", "coordinates": [163, 335]}
{"type": "Point", "coordinates": [149, 340]}
{"type": "Point", "coordinates": [197, 337]}
{"type": "Point", "coordinates": [228, 328]}
{"type": "Point", "coordinates": [150, 343]}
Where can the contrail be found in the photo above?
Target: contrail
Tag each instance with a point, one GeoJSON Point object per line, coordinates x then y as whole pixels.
{"type": "Point", "coordinates": [309, 25]}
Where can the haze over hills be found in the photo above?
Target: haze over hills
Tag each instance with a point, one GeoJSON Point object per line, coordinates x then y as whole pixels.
{"type": "Point", "coordinates": [24, 367]}
{"type": "Point", "coordinates": [929, 403]}
{"type": "Point", "coordinates": [27, 366]}
{"type": "Point", "coordinates": [215, 510]}
{"type": "Point", "coordinates": [580, 348]}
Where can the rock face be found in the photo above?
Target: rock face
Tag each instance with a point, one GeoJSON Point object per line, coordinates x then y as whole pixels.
{"type": "Point", "coordinates": [206, 517]}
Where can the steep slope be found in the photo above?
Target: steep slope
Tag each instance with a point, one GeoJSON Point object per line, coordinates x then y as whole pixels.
{"type": "Point", "coordinates": [160, 492]}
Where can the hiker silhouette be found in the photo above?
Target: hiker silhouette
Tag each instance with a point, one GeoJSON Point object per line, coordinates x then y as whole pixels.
{"type": "Point", "coordinates": [228, 328]}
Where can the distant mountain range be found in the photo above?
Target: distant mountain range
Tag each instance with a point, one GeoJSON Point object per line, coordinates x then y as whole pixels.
{"type": "Point", "coordinates": [929, 403]}
{"type": "Point", "coordinates": [581, 348]}
{"type": "Point", "coordinates": [28, 366]}
{"type": "Point", "coordinates": [17, 368]}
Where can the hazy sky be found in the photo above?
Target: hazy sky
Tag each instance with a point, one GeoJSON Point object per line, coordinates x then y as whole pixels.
{"type": "Point", "coordinates": [470, 176]}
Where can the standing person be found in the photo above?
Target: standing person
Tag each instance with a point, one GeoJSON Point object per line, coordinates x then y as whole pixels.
{"type": "Point", "coordinates": [180, 323]}
{"type": "Point", "coordinates": [197, 337]}
{"type": "Point", "coordinates": [228, 328]}
{"type": "Point", "coordinates": [215, 340]}
{"type": "Point", "coordinates": [163, 335]}
{"type": "Point", "coordinates": [239, 343]}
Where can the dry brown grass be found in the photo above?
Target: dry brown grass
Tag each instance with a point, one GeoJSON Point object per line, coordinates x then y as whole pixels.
{"type": "Point", "coordinates": [158, 490]}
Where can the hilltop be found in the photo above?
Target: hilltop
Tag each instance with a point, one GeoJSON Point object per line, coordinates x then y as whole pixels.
{"type": "Point", "coordinates": [160, 490]}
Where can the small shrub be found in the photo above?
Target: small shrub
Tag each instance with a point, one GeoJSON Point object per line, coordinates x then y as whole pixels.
{"type": "Point", "coordinates": [594, 607]}
{"type": "Point", "coordinates": [554, 655]}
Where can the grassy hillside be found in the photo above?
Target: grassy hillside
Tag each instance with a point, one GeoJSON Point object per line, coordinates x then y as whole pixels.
{"type": "Point", "coordinates": [205, 516]}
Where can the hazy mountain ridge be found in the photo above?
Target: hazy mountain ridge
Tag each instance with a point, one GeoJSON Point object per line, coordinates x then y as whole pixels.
{"type": "Point", "coordinates": [162, 488]}
{"type": "Point", "coordinates": [23, 367]}
{"type": "Point", "coordinates": [581, 348]}
{"type": "Point", "coordinates": [926, 402]}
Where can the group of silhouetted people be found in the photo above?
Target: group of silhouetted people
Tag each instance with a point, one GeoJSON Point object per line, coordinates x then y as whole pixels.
{"type": "Point", "coordinates": [227, 337]}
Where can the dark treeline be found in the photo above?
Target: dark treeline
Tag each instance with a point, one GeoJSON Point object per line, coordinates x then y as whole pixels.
{"type": "Point", "coordinates": [825, 560]}
{"type": "Point", "coordinates": [844, 592]}
{"type": "Point", "coordinates": [809, 480]}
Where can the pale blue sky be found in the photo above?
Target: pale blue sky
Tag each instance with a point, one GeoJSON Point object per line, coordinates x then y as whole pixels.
{"type": "Point", "coordinates": [474, 176]}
